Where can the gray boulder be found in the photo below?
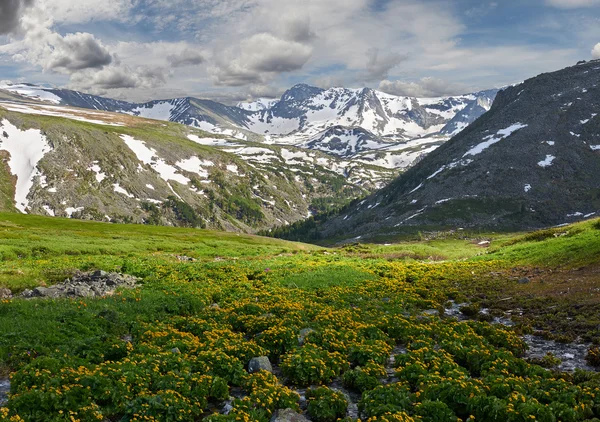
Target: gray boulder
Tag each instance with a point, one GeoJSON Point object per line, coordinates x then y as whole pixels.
{"type": "Point", "coordinates": [288, 415]}
{"type": "Point", "coordinates": [261, 363]}
{"type": "Point", "coordinates": [81, 285]}
{"type": "Point", "coordinates": [5, 293]}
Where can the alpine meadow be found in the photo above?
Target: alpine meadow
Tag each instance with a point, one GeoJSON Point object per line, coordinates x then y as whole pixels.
{"type": "Point", "coordinates": [296, 211]}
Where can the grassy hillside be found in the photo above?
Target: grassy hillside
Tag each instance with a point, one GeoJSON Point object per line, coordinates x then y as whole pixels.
{"type": "Point", "coordinates": [178, 346]}
{"type": "Point", "coordinates": [162, 177]}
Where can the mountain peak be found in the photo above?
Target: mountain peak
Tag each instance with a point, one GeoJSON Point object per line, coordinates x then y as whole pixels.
{"type": "Point", "coordinates": [300, 92]}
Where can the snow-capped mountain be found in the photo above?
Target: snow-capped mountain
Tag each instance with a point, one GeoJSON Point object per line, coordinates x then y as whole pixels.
{"type": "Point", "coordinates": [339, 121]}
{"type": "Point", "coordinates": [257, 105]}
{"type": "Point", "coordinates": [532, 161]}
{"type": "Point", "coordinates": [344, 141]}
{"type": "Point", "coordinates": [305, 111]}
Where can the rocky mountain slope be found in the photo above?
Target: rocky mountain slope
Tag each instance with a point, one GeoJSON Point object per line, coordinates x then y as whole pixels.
{"type": "Point", "coordinates": [308, 117]}
{"type": "Point", "coordinates": [532, 161]}
{"type": "Point", "coordinates": [71, 162]}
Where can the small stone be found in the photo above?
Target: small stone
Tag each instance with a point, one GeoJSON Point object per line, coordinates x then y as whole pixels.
{"type": "Point", "coordinates": [5, 293]}
{"type": "Point", "coordinates": [99, 274]}
{"type": "Point", "coordinates": [303, 334]}
{"type": "Point", "coordinates": [261, 363]}
{"type": "Point", "coordinates": [288, 415]}
{"type": "Point", "coordinates": [433, 312]}
{"type": "Point", "coordinates": [27, 293]}
{"type": "Point", "coordinates": [214, 306]}
{"type": "Point", "coordinates": [524, 280]}
{"type": "Point", "coordinates": [175, 350]}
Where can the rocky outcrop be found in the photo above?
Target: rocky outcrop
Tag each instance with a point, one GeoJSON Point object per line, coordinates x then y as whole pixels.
{"type": "Point", "coordinates": [90, 284]}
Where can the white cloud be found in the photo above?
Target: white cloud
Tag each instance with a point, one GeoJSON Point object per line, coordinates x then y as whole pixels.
{"type": "Point", "coordinates": [596, 51]}
{"type": "Point", "coordinates": [572, 4]}
{"type": "Point", "coordinates": [82, 11]}
{"type": "Point", "coordinates": [426, 87]}
{"type": "Point", "coordinates": [54, 52]}
{"type": "Point", "coordinates": [258, 58]}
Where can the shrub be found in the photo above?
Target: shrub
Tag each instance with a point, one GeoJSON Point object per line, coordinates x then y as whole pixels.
{"type": "Point", "coordinates": [364, 378]}
{"type": "Point", "coordinates": [326, 405]}
{"type": "Point", "coordinates": [391, 398]}
{"type": "Point", "coordinates": [309, 365]}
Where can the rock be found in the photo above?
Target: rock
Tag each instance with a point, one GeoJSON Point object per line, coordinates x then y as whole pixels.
{"type": "Point", "coordinates": [288, 415]}
{"type": "Point", "coordinates": [175, 350]}
{"type": "Point", "coordinates": [27, 294]}
{"type": "Point", "coordinates": [303, 334]}
{"type": "Point", "coordinates": [5, 293]}
{"type": "Point", "coordinates": [214, 306]}
{"type": "Point", "coordinates": [261, 363]}
{"type": "Point", "coordinates": [98, 283]}
{"type": "Point", "coordinates": [433, 312]}
{"type": "Point", "coordinates": [524, 280]}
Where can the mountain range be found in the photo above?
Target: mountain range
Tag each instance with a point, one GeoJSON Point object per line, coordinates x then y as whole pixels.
{"type": "Point", "coordinates": [523, 157]}
{"type": "Point", "coordinates": [399, 127]}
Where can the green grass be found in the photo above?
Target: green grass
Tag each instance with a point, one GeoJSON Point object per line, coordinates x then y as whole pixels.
{"type": "Point", "coordinates": [195, 325]}
{"type": "Point", "coordinates": [35, 249]}
{"type": "Point", "coordinates": [571, 246]}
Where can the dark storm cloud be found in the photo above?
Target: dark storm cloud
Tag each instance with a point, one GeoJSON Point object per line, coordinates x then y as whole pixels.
{"type": "Point", "coordinates": [10, 14]}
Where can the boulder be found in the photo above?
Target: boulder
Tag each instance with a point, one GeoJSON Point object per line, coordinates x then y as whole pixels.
{"type": "Point", "coordinates": [288, 415]}
{"type": "Point", "coordinates": [5, 293]}
{"type": "Point", "coordinates": [261, 363]}
{"type": "Point", "coordinates": [98, 283]}
{"type": "Point", "coordinates": [303, 334]}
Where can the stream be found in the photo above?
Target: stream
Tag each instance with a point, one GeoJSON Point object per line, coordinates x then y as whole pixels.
{"type": "Point", "coordinates": [4, 390]}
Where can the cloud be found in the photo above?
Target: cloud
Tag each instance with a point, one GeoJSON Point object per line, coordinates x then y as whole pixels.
{"type": "Point", "coordinates": [329, 81]}
{"type": "Point", "coordinates": [118, 77]}
{"type": "Point", "coordinates": [187, 57]}
{"type": "Point", "coordinates": [82, 11]}
{"type": "Point", "coordinates": [258, 58]}
{"type": "Point", "coordinates": [572, 4]}
{"type": "Point", "coordinates": [426, 87]}
{"type": "Point", "coordinates": [76, 52]}
{"type": "Point", "coordinates": [54, 52]}
{"type": "Point", "coordinates": [10, 14]}
{"type": "Point", "coordinates": [596, 51]}
{"type": "Point", "coordinates": [379, 66]}
{"type": "Point", "coordinates": [297, 29]}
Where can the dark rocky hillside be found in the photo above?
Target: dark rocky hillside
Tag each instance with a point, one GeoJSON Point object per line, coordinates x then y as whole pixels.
{"type": "Point", "coordinates": [532, 161]}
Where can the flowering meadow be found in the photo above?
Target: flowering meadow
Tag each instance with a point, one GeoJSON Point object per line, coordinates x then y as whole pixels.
{"type": "Point", "coordinates": [341, 331]}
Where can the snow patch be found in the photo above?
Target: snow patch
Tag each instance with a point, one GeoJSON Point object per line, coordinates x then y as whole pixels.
{"type": "Point", "coordinates": [48, 210]}
{"type": "Point", "coordinates": [492, 139]}
{"type": "Point", "coordinates": [70, 211]}
{"type": "Point", "coordinates": [117, 188]}
{"type": "Point", "coordinates": [26, 149]}
{"type": "Point", "coordinates": [148, 156]}
{"type": "Point", "coordinates": [100, 176]}
{"type": "Point", "coordinates": [547, 162]}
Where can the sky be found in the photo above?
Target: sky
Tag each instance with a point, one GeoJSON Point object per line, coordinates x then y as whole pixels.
{"type": "Point", "coordinates": [237, 50]}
